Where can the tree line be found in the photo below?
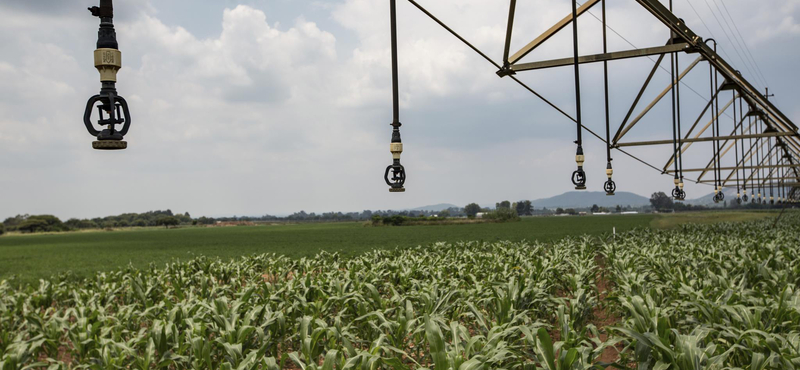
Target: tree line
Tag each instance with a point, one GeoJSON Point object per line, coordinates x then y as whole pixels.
{"type": "Point", "coordinates": [49, 223]}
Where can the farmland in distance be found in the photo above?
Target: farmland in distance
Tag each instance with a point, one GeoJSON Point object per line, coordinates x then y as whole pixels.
{"type": "Point", "coordinates": [33, 257]}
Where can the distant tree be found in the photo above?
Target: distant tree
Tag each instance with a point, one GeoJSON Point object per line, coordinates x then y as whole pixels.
{"type": "Point", "coordinates": [472, 209]}
{"type": "Point", "coordinates": [524, 208]}
{"type": "Point", "coordinates": [2, 229]}
{"type": "Point", "coordinates": [42, 223]}
{"type": "Point", "coordinates": [444, 213]}
{"type": "Point", "coordinates": [661, 201]}
{"type": "Point", "coordinates": [73, 223]}
{"type": "Point", "coordinates": [12, 223]}
{"type": "Point", "coordinates": [571, 211]}
{"type": "Point", "coordinates": [183, 218]}
{"type": "Point", "coordinates": [504, 204]}
{"type": "Point", "coordinates": [619, 209]}
{"type": "Point", "coordinates": [595, 208]}
{"type": "Point", "coordinates": [167, 221]}
{"type": "Point", "coordinates": [205, 221]}
{"type": "Point", "coordinates": [33, 225]}
{"type": "Point", "coordinates": [559, 211]}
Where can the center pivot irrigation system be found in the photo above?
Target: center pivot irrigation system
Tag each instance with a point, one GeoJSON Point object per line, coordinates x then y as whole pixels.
{"type": "Point", "coordinates": [764, 140]}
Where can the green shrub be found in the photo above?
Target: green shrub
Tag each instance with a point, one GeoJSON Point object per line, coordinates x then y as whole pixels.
{"type": "Point", "coordinates": [502, 215]}
{"type": "Point", "coordinates": [2, 229]}
{"type": "Point", "coordinates": [395, 220]}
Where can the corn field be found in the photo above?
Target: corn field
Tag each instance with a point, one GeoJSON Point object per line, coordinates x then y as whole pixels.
{"type": "Point", "coordinates": [701, 297]}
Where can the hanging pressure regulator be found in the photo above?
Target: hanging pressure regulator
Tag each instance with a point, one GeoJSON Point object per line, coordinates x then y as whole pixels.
{"type": "Point", "coordinates": [108, 61]}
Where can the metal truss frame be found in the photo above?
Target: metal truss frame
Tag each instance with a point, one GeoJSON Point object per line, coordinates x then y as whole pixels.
{"type": "Point", "coordinates": [763, 127]}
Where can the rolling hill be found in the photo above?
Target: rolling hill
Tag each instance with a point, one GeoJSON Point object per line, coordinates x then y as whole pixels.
{"type": "Point", "coordinates": [585, 199]}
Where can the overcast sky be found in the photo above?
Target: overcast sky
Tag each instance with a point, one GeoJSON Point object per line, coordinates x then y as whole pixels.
{"type": "Point", "coordinates": [256, 107]}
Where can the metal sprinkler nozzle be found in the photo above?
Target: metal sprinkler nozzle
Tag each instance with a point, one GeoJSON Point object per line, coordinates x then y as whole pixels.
{"type": "Point", "coordinates": [108, 61]}
{"type": "Point", "coordinates": [610, 187]}
{"type": "Point", "coordinates": [676, 193]}
{"type": "Point", "coordinates": [579, 177]}
{"type": "Point", "coordinates": [398, 178]}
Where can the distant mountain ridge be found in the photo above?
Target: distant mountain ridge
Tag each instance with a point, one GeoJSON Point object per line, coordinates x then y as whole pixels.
{"type": "Point", "coordinates": [585, 199]}
{"type": "Point", "coordinates": [572, 199]}
{"type": "Point", "coordinates": [436, 207]}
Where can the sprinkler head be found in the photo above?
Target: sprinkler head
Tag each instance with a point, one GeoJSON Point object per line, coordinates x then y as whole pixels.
{"type": "Point", "coordinates": [610, 187]}
{"type": "Point", "coordinates": [678, 194]}
{"type": "Point", "coordinates": [108, 61]}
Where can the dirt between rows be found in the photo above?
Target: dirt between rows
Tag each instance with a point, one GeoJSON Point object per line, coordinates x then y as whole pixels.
{"type": "Point", "coordinates": [602, 316]}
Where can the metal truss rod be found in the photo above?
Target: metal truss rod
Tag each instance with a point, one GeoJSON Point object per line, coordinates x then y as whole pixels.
{"type": "Point", "coordinates": [740, 168]}
{"type": "Point", "coordinates": [706, 139]}
{"type": "Point", "coordinates": [617, 55]}
{"type": "Point", "coordinates": [684, 148]}
{"type": "Point", "coordinates": [657, 99]}
{"type": "Point", "coordinates": [760, 184]}
{"type": "Point", "coordinates": [769, 155]}
{"type": "Point", "coordinates": [639, 96]}
{"type": "Point", "coordinates": [785, 184]}
{"type": "Point", "coordinates": [773, 179]}
{"type": "Point", "coordinates": [752, 95]}
{"type": "Point", "coordinates": [550, 32]}
{"type": "Point", "coordinates": [773, 122]}
{"type": "Point", "coordinates": [511, 9]}
{"type": "Point", "coordinates": [719, 156]}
